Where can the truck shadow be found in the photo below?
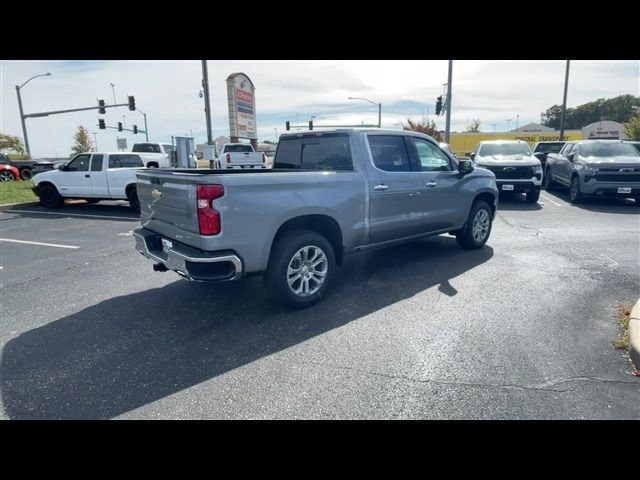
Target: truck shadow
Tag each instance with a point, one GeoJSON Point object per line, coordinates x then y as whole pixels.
{"type": "Point", "coordinates": [112, 211]}
{"type": "Point", "coordinates": [516, 201]}
{"type": "Point", "coordinates": [128, 351]}
{"type": "Point", "coordinates": [597, 204]}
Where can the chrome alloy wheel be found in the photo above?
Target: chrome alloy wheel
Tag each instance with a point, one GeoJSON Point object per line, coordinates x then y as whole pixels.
{"type": "Point", "coordinates": [307, 270]}
{"type": "Point", "coordinates": [480, 225]}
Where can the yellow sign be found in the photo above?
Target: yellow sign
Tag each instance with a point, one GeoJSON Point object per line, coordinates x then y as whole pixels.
{"type": "Point", "coordinates": [463, 143]}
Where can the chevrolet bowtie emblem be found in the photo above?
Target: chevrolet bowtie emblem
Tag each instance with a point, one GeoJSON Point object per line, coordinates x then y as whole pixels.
{"type": "Point", "coordinates": [156, 194]}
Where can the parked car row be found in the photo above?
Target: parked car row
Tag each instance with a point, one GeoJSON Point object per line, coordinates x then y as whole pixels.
{"type": "Point", "coordinates": [587, 167]}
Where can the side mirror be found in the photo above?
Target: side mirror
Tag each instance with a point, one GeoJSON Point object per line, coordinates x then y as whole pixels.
{"type": "Point", "coordinates": [570, 157]}
{"type": "Point", "coordinates": [62, 168]}
{"type": "Point", "coordinates": [465, 167]}
{"type": "Point", "coordinates": [471, 155]}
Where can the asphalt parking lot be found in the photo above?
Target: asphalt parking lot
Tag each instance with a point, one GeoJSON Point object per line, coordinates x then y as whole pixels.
{"type": "Point", "coordinates": [519, 329]}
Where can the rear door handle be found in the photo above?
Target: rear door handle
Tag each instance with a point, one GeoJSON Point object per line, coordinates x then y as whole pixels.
{"type": "Point", "coordinates": [381, 186]}
{"type": "Point", "coordinates": [430, 184]}
{"type": "Point", "coordinates": [87, 175]}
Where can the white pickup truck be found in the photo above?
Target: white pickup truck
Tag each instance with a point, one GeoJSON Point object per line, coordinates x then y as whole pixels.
{"type": "Point", "coordinates": [93, 177]}
{"type": "Point", "coordinates": [237, 156]}
{"type": "Point", "coordinates": [154, 155]}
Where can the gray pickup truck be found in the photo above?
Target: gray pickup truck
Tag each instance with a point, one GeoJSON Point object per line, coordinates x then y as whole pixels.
{"type": "Point", "coordinates": [329, 195]}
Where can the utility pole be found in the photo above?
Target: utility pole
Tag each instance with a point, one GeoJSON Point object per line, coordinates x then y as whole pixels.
{"type": "Point", "coordinates": [564, 101]}
{"type": "Point", "coordinates": [448, 125]}
{"type": "Point", "coordinates": [207, 105]}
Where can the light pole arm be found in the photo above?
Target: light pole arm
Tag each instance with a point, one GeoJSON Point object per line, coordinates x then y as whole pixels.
{"type": "Point", "coordinates": [35, 76]}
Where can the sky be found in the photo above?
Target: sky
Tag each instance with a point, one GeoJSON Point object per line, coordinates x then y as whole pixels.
{"type": "Point", "coordinates": [168, 92]}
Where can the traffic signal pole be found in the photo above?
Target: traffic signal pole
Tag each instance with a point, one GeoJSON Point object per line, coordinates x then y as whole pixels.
{"type": "Point", "coordinates": [448, 124]}
{"type": "Point", "coordinates": [56, 112]}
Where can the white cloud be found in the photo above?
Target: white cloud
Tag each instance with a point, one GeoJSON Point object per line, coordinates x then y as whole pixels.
{"type": "Point", "coordinates": [168, 92]}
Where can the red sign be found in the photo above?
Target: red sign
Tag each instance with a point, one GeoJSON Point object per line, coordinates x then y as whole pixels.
{"type": "Point", "coordinates": [244, 96]}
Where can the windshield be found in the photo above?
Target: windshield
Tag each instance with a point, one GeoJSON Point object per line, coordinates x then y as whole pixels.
{"type": "Point", "coordinates": [549, 147]}
{"type": "Point", "coordinates": [602, 149]}
{"type": "Point", "coordinates": [489, 149]}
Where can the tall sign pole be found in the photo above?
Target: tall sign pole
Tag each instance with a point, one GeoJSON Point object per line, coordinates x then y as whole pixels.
{"type": "Point", "coordinates": [448, 127]}
{"type": "Point", "coordinates": [564, 101]}
{"type": "Point", "coordinates": [207, 105]}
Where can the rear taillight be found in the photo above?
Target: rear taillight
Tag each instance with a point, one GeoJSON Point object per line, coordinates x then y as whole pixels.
{"type": "Point", "coordinates": [228, 158]}
{"type": "Point", "coordinates": [208, 217]}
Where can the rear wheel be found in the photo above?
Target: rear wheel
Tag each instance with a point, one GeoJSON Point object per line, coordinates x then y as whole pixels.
{"type": "Point", "coordinates": [134, 201]}
{"type": "Point", "coordinates": [477, 229]}
{"type": "Point", "coordinates": [300, 268]}
{"type": "Point", "coordinates": [7, 176]}
{"type": "Point", "coordinates": [575, 195]}
{"type": "Point", "coordinates": [26, 174]}
{"type": "Point", "coordinates": [533, 197]}
{"type": "Point", "coordinates": [49, 197]}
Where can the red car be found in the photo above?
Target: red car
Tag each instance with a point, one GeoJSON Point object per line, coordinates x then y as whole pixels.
{"type": "Point", "coordinates": [8, 173]}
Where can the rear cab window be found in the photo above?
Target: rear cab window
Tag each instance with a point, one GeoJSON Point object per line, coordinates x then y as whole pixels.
{"type": "Point", "coordinates": [125, 161]}
{"type": "Point", "coordinates": [238, 148]}
{"type": "Point", "coordinates": [314, 152]}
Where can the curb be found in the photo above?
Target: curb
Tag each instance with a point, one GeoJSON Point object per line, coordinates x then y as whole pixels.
{"type": "Point", "coordinates": [634, 335]}
{"type": "Point", "coordinates": [18, 204]}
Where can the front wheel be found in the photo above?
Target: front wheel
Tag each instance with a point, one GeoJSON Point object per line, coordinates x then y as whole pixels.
{"type": "Point", "coordinates": [300, 268]}
{"type": "Point", "coordinates": [533, 197]}
{"type": "Point", "coordinates": [134, 201]}
{"type": "Point", "coordinates": [49, 197]}
{"type": "Point", "coordinates": [7, 176]}
{"type": "Point", "coordinates": [575, 195]}
{"type": "Point", "coordinates": [477, 229]}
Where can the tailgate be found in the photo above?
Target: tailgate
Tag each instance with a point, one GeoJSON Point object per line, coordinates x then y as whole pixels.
{"type": "Point", "coordinates": [246, 158]}
{"type": "Point", "coordinates": [168, 205]}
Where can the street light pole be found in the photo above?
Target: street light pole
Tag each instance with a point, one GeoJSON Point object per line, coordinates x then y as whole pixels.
{"type": "Point", "coordinates": [207, 105]}
{"type": "Point", "coordinates": [508, 120]}
{"type": "Point", "coordinates": [373, 103]}
{"type": "Point", "coordinates": [517, 121]}
{"type": "Point", "coordinates": [22, 117]}
{"type": "Point", "coordinates": [276, 130]}
{"type": "Point", "coordinates": [95, 138]}
{"type": "Point", "coordinates": [113, 90]}
{"type": "Point", "coordinates": [448, 123]}
{"type": "Point", "coordinates": [564, 101]}
{"type": "Point", "coordinates": [146, 130]}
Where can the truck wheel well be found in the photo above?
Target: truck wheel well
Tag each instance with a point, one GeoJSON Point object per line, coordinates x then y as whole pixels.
{"type": "Point", "coordinates": [489, 198]}
{"type": "Point", "coordinates": [152, 165]}
{"type": "Point", "coordinates": [323, 224]}
{"type": "Point", "coordinates": [42, 184]}
{"type": "Point", "coordinates": [129, 187]}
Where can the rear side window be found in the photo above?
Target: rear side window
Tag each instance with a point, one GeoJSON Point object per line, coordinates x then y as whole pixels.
{"type": "Point", "coordinates": [96, 163]}
{"type": "Point", "coordinates": [314, 152]}
{"type": "Point", "coordinates": [389, 153]}
{"type": "Point", "coordinates": [125, 161]}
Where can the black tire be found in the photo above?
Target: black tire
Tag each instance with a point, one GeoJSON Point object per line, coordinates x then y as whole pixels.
{"type": "Point", "coordinates": [91, 200]}
{"type": "Point", "coordinates": [7, 176]}
{"type": "Point", "coordinates": [465, 237]}
{"type": "Point", "coordinates": [134, 201]}
{"type": "Point", "coordinates": [575, 195]}
{"type": "Point", "coordinates": [26, 174]}
{"type": "Point", "coordinates": [547, 181]}
{"type": "Point", "coordinates": [533, 197]}
{"type": "Point", "coordinates": [49, 197]}
{"type": "Point", "coordinates": [284, 254]}
{"type": "Point", "coordinates": [152, 165]}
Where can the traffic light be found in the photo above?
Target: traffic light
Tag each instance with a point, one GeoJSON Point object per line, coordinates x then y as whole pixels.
{"type": "Point", "coordinates": [310, 124]}
{"type": "Point", "coordinates": [101, 110]}
{"type": "Point", "coordinates": [132, 103]}
{"type": "Point", "coordinates": [439, 105]}
{"type": "Point", "coordinates": [135, 129]}
{"type": "Point", "coordinates": [288, 125]}
{"type": "Point", "coordinates": [119, 126]}
{"type": "Point", "coordinates": [101, 124]}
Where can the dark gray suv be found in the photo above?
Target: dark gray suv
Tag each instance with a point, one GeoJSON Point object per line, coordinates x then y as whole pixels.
{"type": "Point", "coordinates": [595, 167]}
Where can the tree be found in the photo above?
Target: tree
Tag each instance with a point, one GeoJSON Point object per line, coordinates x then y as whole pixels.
{"type": "Point", "coordinates": [11, 143]}
{"type": "Point", "coordinates": [83, 141]}
{"type": "Point", "coordinates": [474, 126]}
{"type": "Point", "coordinates": [618, 109]}
{"type": "Point", "coordinates": [632, 127]}
{"type": "Point", "coordinates": [424, 126]}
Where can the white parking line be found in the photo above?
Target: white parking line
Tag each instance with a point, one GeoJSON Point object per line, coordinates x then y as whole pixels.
{"type": "Point", "coordinates": [73, 214]}
{"type": "Point", "coordinates": [37, 243]}
{"type": "Point", "coordinates": [555, 203]}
